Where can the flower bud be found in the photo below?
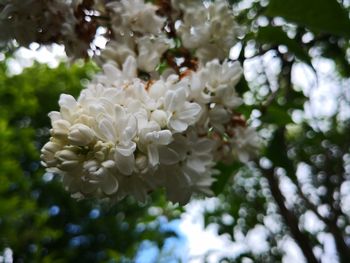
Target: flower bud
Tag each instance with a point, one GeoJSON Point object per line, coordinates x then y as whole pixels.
{"type": "Point", "coordinates": [80, 135]}
{"type": "Point", "coordinates": [69, 160]}
{"type": "Point", "coordinates": [48, 153]}
{"type": "Point", "coordinates": [108, 164]}
{"type": "Point", "coordinates": [141, 162]}
{"type": "Point", "coordinates": [60, 129]}
{"type": "Point", "coordinates": [160, 117]}
{"type": "Point", "coordinates": [66, 155]}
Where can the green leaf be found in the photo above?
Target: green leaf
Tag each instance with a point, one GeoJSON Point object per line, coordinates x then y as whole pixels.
{"type": "Point", "coordinates": [276, 36]}
{"type": "Point", "coordinates": [276, 151]}
{"type": "Point", "coordinates": [242, 86]}
{"type": "Point", "coordinates": [325, 16]}
{"type": "Point", "coordinates": [295, 99]}
{"type": "Point", "coordinates": [276, 115]}
{"type": "Point", "coordinates": [226, 171]}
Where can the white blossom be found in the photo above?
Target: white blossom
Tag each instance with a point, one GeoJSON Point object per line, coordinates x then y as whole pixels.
{"type": "Point", "coordinates": [209, 29]}
{"type": "Point", "coordinates": [135, 129]}
{"type": "Point", "coordinates": [136, 16]}
{"type": "Point", "coordinates": [138, 33]}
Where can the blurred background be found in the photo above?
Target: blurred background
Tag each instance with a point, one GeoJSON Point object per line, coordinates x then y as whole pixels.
{"type": "Point", "coordinates": [291, 204]}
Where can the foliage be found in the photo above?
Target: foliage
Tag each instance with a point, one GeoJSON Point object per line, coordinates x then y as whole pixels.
{"type": "Point", "coordinates": [308, 155]}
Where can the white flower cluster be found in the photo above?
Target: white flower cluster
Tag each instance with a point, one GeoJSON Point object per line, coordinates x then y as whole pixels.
{"type": "Point", "coordinates": [45, 22]}
{"type": "Point", "coordinates": [208, 29]}
{"type": "Point", "coordinates": [137, 32]}
{"type": "Point", "coordinates": [127, 135]}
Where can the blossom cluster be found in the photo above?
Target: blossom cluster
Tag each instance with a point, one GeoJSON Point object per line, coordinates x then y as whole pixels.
{"type": "Point", "coordinates": [208, 30]}
{"type": "Point", "coordinates": [137, 31]}
{"type": "Point", "coordinates": [47, 22]}
{"type": "Point", "coordinates": [136, 127]}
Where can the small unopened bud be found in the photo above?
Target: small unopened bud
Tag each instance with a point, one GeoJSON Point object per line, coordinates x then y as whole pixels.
{"type": "Point", "coordinates": [48, 153]}
{"type": "Point", "coordinates": [80, 135]}
{"type": "Point", "coordinates": [66, 155]}
{"type": "Point", "coordinates": [69, 160]}
{"type": "Point", "coordinates": [160, 117]}
{"type": "Point", "coordinates": [60, 129]}
{"type": "Point", "coordinates": [141, 162]}
{"type": "Point", "coordinates": [108, 164]}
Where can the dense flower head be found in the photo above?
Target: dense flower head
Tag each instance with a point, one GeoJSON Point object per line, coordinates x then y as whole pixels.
{"type": "Point", "coordinates": [163, 111]}
{"type": "Point", "coordinates": [137, 31]}
{"type": "Point", "coordinates": [46, 22]}
{"type": "Point", "coordinates": [208, 29]}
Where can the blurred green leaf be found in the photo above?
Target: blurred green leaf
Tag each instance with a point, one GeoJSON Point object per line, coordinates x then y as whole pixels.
{"type": "Point", "coordinates": [339, 56]}
{"type": "Point", "coordinates": [275, 114]}
{"type": "Point", "coordinates": [226, 171]}
{"type": "Point", "coordinates": [276, 152]}
{"type": "Point", "coordinates": [242, 86]}
{"type": "Point", "coordinates": [325, 16]}
{"type": "Point", "coordinates": [276, 36]}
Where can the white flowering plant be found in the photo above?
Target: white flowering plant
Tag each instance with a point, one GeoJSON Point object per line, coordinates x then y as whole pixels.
{"type": "Point", "coordinates": [164, 109]}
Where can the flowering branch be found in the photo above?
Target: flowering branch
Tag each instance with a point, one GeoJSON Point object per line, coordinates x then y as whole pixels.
{"type": "Point", "coordinates": [129, 135]}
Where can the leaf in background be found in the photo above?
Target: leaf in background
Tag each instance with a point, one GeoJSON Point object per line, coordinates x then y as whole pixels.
{"type": "Point", "coordinates": [226, 171]}
{"type": "Point", "coordinates": [295, 99]}
{"type": "Point", "coordinates": [276, 114]}
{"type": "Point", "coordinates": [326, 16]}
{"type": "Point", "coordinates": [335, 52]}
{"type": "Point", "coordinates": [276, 151]}
{"type": "Point", "coordinates": [242, 86]}
{"type": "Point", "coordinates": [276, 36]}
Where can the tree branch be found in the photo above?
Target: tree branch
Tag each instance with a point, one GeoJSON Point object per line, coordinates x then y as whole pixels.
{"type": "Point", "coordinates": [290, 219]}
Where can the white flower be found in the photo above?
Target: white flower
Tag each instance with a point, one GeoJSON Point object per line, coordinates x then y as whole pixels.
{"type": "Point", "coordinates": [210, 30]}
{"type": "Point", "coordinates": [136, 32]}
{"type": "Point", "coordinates": [161, 117]}
{"type": "Point", "coordinates": [60, 129]}
{"type": "Point", "coordinates": [189, 167]}
{"type": "Point", "coordinates": [45, 22]}
{"type": "Point", "coordinates": [216, 83]}
{"type": "Point", "coordinates": [245, 143]}
{"type": "Point", "coordinates": [114, 76]}
{"type": "Point", "coordinates": [151, 136]}
{"type": "Point", "coordinates": [182, 113]}
{"type": "Point", "coordinates": [69, 107]}
{"type": "Point", "coordinates": [118, 50]}
{"type": "Point", "coordinates": [68, 159]}
{"type": "Point", "coordinates": [219, 116]}
{"type": "Point", "coordinates": [99, 176]}
{"type": "Point", "coordinates": [125, 135]}
{"type": "Point", "coordinates": [137, 185]}
{"type": "Point", "coordinates": [119, 128]}
{"type": "Point", "coordinates": [137, 15]}
{"type": "Point", "coordinates": [150, 50]}
{"type": "Point", "coordinates": [175, 182]}
{"type": "Point", "coordinates": [48, 153]}
{"type": "Point", "coordinates": [80, 135]}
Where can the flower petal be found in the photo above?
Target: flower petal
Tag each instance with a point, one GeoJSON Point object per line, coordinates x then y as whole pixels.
{"type": "Point", "coordinates": [174, 99]}
{"type": "Point", "coordinates": [110, 185]}
{"type": "Point", "coordinates": [153, 155]}
{"type": "Point", "coordinates": [190, 112]}
{"type": "Point", "coordinates": [178, 125]}
{"type": "Point", "coordinates": [125, 164]}
{"type": "Point", "coordinates": [126, 149]}
{"type": "Point", "coordinates": [67, 101]}
{"type": "Point", "coordinates": [168, 156]}
{"type": "Point", "coordinates": [106, 130]}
